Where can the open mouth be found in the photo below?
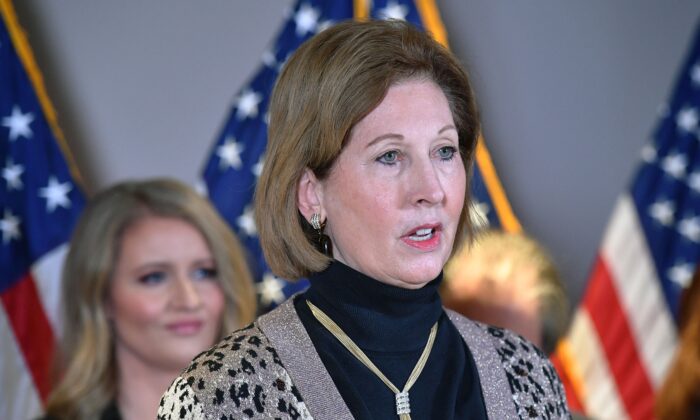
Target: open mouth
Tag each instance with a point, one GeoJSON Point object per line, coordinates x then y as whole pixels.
{"type": "Point", "coordinates": [422, 234]}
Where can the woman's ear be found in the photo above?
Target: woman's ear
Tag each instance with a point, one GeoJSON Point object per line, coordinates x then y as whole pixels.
{"type": "Point", "coordinates": [309, 195]}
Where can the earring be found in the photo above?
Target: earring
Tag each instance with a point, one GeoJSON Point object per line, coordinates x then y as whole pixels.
{"type": "Point", "coordinates": [324, 242]}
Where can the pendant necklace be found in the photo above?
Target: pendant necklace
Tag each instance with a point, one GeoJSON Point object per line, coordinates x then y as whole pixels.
{"type": "Point", "coordinates": [403, 405]}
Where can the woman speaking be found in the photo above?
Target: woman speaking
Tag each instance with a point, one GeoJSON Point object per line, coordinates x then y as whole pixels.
{"type": "Point", "coordinates": [372, 133]}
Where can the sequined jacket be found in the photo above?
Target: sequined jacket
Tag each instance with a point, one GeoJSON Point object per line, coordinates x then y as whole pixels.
{"type": "Point", "coordinates": [270, 369]}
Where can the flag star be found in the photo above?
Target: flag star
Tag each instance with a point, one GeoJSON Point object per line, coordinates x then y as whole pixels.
{"type": "Point", "coordinates": [229, 154]}
{"type": "Point", "coordinates": [247, 104]}
{"type": "Point", "coordinates": [694, 181]}
{"type": "Point", "coordinates": [648, 153]}
{"type": "Point", "coordinates": [662, 211]}
{"type": "Point", "coordinates": [56, 194]}
{"type": "Point", "coordinates": [270, 290]}
{"type": "Point", "coordinates": [687, 119]}
{"type": "Point", "coordinates": [18, 123]}
{"type": "Point", "coordinates": [269, 59]}
{"type": "Point", "coordinates": [258, 167]}
{"type": "Point", "coordinates": [674, 165]}
{"type": "Point", "coordinates": [690, 228]}
{"type": "Point", "coordinates": [246, 222]}
{"type": "Point", "coordinates": [306, 19]}
{"type": "Point", "coordinates": [681, 274]}
{"type": "Point", "coordinates": [393, 10]}
{"type": "Point", "coordinates": [9, 225]}
{"type": "Point", "coordinates": [695, 74]}
{"type": "Point", "coordinates": [12, 174]}
{"type": "Point", "coordinates": [479, 214]}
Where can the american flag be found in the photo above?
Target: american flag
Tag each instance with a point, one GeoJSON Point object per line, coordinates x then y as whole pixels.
{"type": "Point", "coordinates": [623, 335]}
{"type": "Point", "coordinates": [237, 157]}
{"type": "Point", "coordinates": [39, 205]}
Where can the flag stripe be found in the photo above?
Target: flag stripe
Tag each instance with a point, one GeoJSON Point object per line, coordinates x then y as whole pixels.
{"type": "Point", "coordinates": [47, 277]}
{"type": "Point", "coordinates": [600, 391]}
{"type": "Point", "coordinates": [618, 342]}
{"type": "Point", "coordinates": [19, 395]}
{"type": "Point", "coordinates": [627, 256]}
{"type": "Point", "coordinates": [32, 330]}
{"type": "Point", "coordinates": [26, 56]}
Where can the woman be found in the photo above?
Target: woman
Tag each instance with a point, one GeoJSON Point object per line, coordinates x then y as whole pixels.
{"type": "Point", "coordinates": [153, 277]}
{"type": "Point", "coordinates": [372, 131]}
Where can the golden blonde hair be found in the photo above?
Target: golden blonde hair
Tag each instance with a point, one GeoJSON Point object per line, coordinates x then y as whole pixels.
{"type": "Point", "coordinates": [679, 395]}
{"type": "Point", "coordinates": [87, 365]}
{"type": "Point", "coordinates": [519, 251]}
{"type": "Point", "coordinates": [328, 85]}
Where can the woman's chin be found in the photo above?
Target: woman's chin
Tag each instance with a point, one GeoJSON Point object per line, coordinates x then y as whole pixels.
{"type": "Point", "coordinates": [415, 277]}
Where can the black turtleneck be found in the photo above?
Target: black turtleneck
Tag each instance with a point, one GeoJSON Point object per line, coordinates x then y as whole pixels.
{"type": "Point", "coordinates": [391, 325]}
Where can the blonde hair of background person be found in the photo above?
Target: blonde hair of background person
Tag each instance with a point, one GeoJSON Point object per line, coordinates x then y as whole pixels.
{"type": "Point", "coordinates": [89, 378]}
{"type": "Point", "coordinates": [679, 395]}
{"type": "Point", "coordinates": [509, 280]}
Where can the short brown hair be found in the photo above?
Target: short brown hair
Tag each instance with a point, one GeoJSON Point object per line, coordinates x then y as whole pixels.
{"type": "Point", "coordinates": [329, 85]}
{"type": "Point", "coordinates": [88, 380]}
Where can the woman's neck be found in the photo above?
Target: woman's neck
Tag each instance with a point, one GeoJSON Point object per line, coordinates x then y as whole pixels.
{"type": "Point", "coordinates": [375, 315]}
{"type": "Point", "coordinates": [140, 385]}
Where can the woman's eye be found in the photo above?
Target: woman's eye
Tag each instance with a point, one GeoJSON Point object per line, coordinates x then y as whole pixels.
{"type": "Point", "coordinates": [389, 158]}
{"type": "Point", "coordinates": [205, 273]}
{"type": "Point", "coordinates": [447, 152]}
{"type": "Point", "coordinates": [155, 277]}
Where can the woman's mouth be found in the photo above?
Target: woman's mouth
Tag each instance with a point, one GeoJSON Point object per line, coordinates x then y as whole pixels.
{"type": "Point", "coordinates": [185, 328]}
{"type": "Point", "coordinates": [424, 238]}
{"type": "Point", "coordinates": [422, 235]}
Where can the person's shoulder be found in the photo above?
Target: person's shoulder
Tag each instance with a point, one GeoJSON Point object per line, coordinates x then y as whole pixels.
{"type": "Point", "coordinates": [235, 376]}
{"type": "Point", "coordinates": [533, 380]}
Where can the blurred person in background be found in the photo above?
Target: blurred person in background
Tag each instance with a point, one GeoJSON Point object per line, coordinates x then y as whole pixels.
{"type": "Point", "coordinates": [510, 281]}
{"type": "Point", "coordinates": [679, 395]}
{"type": "Point", "coordinates": [153, 277]}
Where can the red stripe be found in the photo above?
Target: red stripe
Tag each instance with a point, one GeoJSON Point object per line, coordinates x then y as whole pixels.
{"type": "Point", "coordinates": [32, 330]}
{"type": "Point", "coordinates": [618, 342]}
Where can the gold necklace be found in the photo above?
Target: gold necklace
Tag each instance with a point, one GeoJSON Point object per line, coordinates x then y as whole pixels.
{"type": "Point", "coordinates": [403, 406]}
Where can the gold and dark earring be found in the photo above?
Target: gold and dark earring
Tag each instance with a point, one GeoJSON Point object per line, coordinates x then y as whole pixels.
{"type": "Point", "coordinates": [323, 242]}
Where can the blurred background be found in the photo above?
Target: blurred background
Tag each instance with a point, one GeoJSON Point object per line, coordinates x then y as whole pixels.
{"type": "Point", "coordinates": [569, 92]}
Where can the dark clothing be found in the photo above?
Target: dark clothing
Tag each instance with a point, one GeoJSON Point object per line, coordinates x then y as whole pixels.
{"type": "Point", "coordinates": [391, 325]}
{"type": "Point", "coordinates": [111, 412]}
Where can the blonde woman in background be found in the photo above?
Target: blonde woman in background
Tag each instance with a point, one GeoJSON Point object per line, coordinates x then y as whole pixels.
{"type": "Point", "coordinates": [153, 277]}
{"type": "Point", "coordinates": [510, 281]}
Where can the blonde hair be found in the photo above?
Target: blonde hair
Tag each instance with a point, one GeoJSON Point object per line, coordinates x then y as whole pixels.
{"type": "Point", "coordinates": [328, 85]}
{"type": "Point", "coordinates": [87, 364]}
{"type": "Point", "coordinates": [513, 253]}
{"type": "Point", "coordinates": [679, 395]}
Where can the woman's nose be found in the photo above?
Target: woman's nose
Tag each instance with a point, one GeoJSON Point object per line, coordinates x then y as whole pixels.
{"type": "Point", "coordinates": [426, 186]}
{"type": "Point", "coordinates": [186, 294]}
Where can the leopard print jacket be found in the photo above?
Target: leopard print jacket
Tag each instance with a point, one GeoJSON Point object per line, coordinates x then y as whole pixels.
{"type": "Point", "coordinates": [249, 375]}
